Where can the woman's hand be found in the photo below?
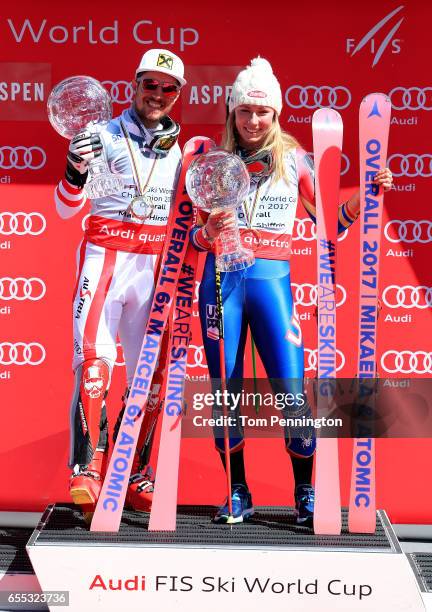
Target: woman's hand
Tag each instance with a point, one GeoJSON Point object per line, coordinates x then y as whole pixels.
{"type": "Point", "coordinates": [385, 178]}
{"type": "Point", "coordinates": [219, 221]}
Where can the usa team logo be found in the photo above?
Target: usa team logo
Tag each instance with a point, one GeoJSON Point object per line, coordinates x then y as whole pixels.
{"type": "Point", "coordinates": [212, 327]}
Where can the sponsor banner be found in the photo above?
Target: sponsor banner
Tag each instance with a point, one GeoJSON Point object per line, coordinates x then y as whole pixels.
{"type": "Point", "coordinates": [205, 96]}
{"type": "Point", "coordinates": [24, 91]}
{"type": "Point", "coordinates": [211, 578]}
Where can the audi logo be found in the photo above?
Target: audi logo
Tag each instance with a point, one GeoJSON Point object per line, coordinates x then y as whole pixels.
{"type": "Point", "coordinates": [407, 296]}
{"type": "Point", "coordinates": [345, 163]}
{"type": "Point", "coordinates": [20, 353]}
{"type": "Point", "coordinates": [196, 356]}
{"type": "Point", "coordinates": [407, 362]}
{"type": "Point", "coordinates": [410, 165]}
{"type": "Point", "coordinates": [411, 98]}
{"type": "Point", "coordinates": [310, 96]}
{"type": "Point", "coordinates": [121, 92]}
{"type": "Point", "coordinates": [21, 288]}
{"type": "Point", "coordinates": [307, 294]}
{"type": "Point", "coordinates": [409, 231]}
{"type": "Point", "coordinates": [22, 158]}
{"type": "Point", "coordinates": [305, 229]}
{"type": "Point", "coordinates": [21, 223]}
{"type": "Point", "coordinates": [312, 359]}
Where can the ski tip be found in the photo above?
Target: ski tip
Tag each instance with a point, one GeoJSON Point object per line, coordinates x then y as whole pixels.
{"type": "Point", "coordinates": [378, 95]}
{"type": "Point", "coordinates": [327, 119]}
{"type": "Point", "coordinates": [198, 145]}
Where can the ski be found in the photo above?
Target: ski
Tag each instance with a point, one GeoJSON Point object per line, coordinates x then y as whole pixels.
{"type": "Point", "coordinates": [164, 505]}
{"type": "Point", "coordinates": [327, 131]}
{"type": "Point", "coordinates": [109, 508]}
{"type": "Point", "coordinates": [374, 124]}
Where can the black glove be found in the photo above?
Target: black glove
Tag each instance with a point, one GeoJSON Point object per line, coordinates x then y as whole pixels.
{"type": "Point", "coordinates": [82, 149]}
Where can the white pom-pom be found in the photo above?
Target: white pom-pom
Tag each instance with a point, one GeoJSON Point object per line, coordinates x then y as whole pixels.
{"type": "Point", "coordinates": [262, 64]}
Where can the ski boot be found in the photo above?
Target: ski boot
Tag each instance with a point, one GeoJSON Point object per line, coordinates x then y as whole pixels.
{"type": "Point", "coordinates": [86, 483]}
{"type": "Point", "coordinates": [304, 497]}
{"type": "Point", "coordinates": [242, 507]}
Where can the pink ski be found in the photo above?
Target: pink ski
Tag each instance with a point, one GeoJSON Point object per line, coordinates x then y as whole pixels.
{"type": "Point", "coordinates": [108, 512]}
{"type": "Point", "coordinates": [327, 132]}
{"type": "Point", "coordinates": [164, 506]}
{"type": "Point", "coordinates": [374, 124]}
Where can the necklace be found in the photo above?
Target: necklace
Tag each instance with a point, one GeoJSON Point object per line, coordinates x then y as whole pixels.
{"type": "Point", "coordinates": [251, 234]}
{"type": "Point", "coordinates": [140, 207]}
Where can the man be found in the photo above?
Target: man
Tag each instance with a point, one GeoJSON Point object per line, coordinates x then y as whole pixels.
{"type": "Point", "coordinates": [117, 264]}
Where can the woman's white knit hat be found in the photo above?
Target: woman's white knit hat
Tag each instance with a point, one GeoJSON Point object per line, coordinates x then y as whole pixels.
{"type": "Point", "coordinates": [256, 84]}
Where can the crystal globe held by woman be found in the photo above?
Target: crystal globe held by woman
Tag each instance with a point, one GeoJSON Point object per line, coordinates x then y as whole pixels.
{"type": "Point", "coordinates": [220, 180]}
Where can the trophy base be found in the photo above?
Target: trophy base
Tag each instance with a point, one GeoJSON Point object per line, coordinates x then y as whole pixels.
{"type": "Point", "coordinates": [102, 186]}
{"type": "Point", "coordinates": [232, 262]}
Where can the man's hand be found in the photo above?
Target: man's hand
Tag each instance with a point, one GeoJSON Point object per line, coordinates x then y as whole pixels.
{"type": "Point", "coordinates": [82, 149]}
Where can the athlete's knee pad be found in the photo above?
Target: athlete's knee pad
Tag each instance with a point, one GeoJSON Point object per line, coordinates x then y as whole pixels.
{"type": "Point", "coordinates": [89, 427]}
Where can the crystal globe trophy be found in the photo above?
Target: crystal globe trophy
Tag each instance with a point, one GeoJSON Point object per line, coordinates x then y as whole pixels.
{"type": "Point", "coordinates": [219, 180]}
{"type": "Point", "coordinates": [81, 103]}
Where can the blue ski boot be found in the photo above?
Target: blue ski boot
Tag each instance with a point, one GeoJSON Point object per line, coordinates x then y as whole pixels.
{"type": "Point", "coordinates": [304, 502]}
{"type": "Point", "coordinates": [241, 506]}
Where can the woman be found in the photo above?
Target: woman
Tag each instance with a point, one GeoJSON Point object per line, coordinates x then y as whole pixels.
{"type": "Point", "coordinates": [260, 296]}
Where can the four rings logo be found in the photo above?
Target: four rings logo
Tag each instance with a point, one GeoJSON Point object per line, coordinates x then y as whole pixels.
{"type": "Point", "coordinates": [305, 229]}
{"type": "Point", "coordinates": [22, 158]}
{"type": "Point", "coordinates": [196, 357]}
{"type": "Point", "coordinates": [311, 96]}
{"type": "Point", "coordinates": [311, 358]}
{"type": "Point", "coordinates": [407, 362]}
{"type": "Point", "coordinates": [22, 288]}
{"type": "Point", "coordinates": [411, 98]}
{"type": "Point", "coordinates": [307, 294]}
{"type": "Point", "coordinates": [411, 165]}
{"type": "Point", "coordinates": [20, 353]}
{"type": "Point", "coordinates": [21, 223]}
{"type": "Point", "coordinates": [407, 296]}
{"type": "Point", "coordinates": [121, 92]}
{"type": "Point", "coordinates": [409, 231]}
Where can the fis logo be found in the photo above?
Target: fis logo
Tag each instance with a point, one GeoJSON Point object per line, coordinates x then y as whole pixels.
{"type": "Point", "coordinates": [378, 37]}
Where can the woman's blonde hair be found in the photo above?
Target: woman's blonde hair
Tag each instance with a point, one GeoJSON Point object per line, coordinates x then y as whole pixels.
{"type": "Point", "coordinates": [277, 141]}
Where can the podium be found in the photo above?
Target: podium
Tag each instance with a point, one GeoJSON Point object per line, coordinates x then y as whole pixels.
{"type": "Point", "coordinates": [266, 561]}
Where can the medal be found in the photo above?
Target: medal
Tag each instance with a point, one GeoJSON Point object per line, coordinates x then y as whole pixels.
{"type": "Point", "coordinates": [251, 236]}
{"type": "Point", "coordinates": [140, 208]}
